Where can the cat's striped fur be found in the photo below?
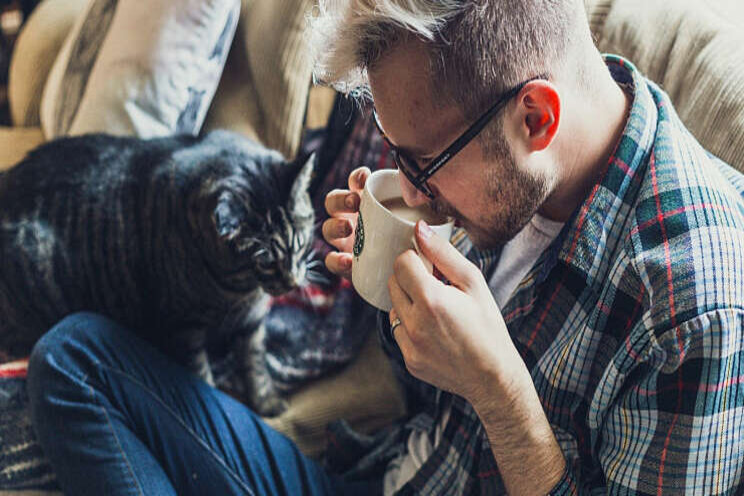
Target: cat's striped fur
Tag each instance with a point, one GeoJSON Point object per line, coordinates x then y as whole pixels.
{"type": "Point", "coordinates": [179, 238]}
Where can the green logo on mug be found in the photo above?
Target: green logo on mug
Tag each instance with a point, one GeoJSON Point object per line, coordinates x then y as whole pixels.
{"type": "Point", "coordinates": [359, 236]}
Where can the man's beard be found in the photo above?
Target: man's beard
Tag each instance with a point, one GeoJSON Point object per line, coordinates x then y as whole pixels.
{"type": "Point", "coordinates": [514, 196]}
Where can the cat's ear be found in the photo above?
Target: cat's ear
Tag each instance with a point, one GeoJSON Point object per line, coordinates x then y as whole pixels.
{"type": "Point", "coordinates": [299, 199]}
{"type": "Point", "coordinates": [301, 183]}
{"type": "Point", "coordinates": [228, 216]}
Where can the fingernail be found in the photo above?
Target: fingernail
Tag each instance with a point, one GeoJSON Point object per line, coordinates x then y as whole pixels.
{"type": "Point", "coordinates": [345, 230]}
{"type": "Point", "coordinates": [351, 201]}
{"type": "Point", "coordinates": [346, 263]}
{"type": "Point", "coordinates": [424, 230]}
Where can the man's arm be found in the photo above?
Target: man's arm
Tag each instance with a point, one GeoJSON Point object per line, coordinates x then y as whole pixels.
{"type": "Point", "coordinates": [676, 423]}
{"type": "Point", "coordinates": [523, 444]}
{"type": "Point", "coordinates": [454, 337]}
{"type": "Point", "coordinates": [674, 426]}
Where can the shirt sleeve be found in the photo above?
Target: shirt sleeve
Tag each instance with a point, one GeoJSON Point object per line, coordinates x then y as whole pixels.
{"type": "Point", "coordinates": [676, 425]}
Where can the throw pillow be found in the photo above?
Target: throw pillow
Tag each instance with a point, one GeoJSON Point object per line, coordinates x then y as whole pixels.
{"type": "Point", "coordinates": [139, 68]}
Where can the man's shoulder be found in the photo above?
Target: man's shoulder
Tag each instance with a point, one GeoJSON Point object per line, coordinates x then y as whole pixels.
{"type": "Point", "coordinates": [685, 241]}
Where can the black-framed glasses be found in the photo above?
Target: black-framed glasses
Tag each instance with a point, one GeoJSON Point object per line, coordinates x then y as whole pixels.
{"type": "Point", "coordinates": [419, 177]}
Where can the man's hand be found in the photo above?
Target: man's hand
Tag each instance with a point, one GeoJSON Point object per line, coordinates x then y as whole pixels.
{"type": "Point", "coordinates": [453, 337]}
{"type": "Point", "coordinates": [343, 206]}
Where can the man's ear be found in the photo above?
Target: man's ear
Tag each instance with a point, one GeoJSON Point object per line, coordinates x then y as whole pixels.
{"type": "Point", "coordinates": [539, 107]}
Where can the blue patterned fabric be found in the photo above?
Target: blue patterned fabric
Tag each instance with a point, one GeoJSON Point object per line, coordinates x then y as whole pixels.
{"type": "Point", "coordinates": [22, 464]}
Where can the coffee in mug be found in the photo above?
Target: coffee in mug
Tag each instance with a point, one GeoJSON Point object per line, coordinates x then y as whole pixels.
{"type": "Point", "coordinates": [385, 229]}
{"type": "Point", "coordinates": [398, 208]}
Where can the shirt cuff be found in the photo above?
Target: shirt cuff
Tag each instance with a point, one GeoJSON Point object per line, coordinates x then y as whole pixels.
{"type": "Point", "coordinates": [566, 485]}
{"type": "Point", "coordinates": [388, 343]}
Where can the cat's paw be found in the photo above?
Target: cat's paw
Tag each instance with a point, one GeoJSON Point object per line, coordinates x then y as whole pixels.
{"type": "Point", "coordinates": [270, 406]}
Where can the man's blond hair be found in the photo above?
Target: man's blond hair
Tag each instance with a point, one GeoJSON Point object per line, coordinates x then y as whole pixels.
{"type": "Point", "coordinates": [477, 48]}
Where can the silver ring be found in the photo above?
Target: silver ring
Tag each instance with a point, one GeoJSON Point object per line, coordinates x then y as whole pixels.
{"type": "Point", "coordinates": [395, 323]}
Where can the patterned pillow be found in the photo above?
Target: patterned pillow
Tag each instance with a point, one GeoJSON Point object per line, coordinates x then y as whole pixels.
{"type": "Point", "coordinates": [22, 464]}
{"type": "Point", "coordinates": [139, 68]}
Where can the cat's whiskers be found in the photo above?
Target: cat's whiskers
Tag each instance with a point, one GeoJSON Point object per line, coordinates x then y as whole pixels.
{"type": "Point", "coordinates": [314, 263]}
{"type": "Point", "coordinates": [315, 276]}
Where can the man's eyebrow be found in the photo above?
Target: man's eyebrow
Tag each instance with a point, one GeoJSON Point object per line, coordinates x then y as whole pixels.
{"type": "Point", "coordinates": [416, 153]}
{"type": "Point", "coordinates": [412, 151]}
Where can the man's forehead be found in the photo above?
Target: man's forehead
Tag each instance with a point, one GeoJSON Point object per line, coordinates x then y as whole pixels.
{"type": "Point", "coordinates": [410, 114]}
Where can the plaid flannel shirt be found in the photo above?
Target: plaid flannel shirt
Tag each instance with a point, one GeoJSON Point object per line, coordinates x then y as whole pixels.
{"type": "Point", "coordinates": [632, 325]}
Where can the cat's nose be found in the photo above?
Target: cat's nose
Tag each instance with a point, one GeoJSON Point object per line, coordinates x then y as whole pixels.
{"type": "Point", "coordinates": [291, 281]}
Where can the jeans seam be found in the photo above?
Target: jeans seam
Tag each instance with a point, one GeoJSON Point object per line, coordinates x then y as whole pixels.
{"type": "Point", "coordinates": [193, 434]}
{"type": "Point", "coordinates": [113, 432]}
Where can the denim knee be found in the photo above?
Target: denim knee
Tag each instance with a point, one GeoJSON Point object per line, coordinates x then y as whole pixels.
{"type": "Point", "coordinates": [57, 346]}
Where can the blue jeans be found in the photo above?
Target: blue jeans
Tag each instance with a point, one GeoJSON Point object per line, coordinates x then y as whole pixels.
{"type": "Point", "coordinates": [115, 416]}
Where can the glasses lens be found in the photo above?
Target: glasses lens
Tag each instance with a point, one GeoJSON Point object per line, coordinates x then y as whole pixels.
{"type": "Point", "coordinates": [405, 166]}
{"type": "Point", "coordinates": [411, 171]}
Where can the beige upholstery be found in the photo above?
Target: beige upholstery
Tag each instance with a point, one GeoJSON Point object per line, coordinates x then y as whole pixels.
{"type": "Point", "coordinates": [15, 142]}
{"type": "Point", "coordinates": [695, 51]}
{"type": "Point", "coordinates": [34, 54]}
{"type": "Point", "coordinates": [365, 393]}
{"type": "Point", "coordinates": [263, 92]}
{"type": "Point", "coordinates": [267, 75]}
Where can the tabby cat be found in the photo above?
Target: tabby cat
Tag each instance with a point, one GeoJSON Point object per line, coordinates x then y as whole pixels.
{"type": "Point", "coordinates": [182, 239]}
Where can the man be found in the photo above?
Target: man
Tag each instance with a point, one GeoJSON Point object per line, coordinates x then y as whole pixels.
{"type": "Point", "coordinates": [602, 353]}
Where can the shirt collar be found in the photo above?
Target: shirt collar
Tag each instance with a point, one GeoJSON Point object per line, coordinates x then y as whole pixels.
{"type": "Point", "coordinates": [592, 231]}
{"type": "Point", "coordinates": [587, 235]}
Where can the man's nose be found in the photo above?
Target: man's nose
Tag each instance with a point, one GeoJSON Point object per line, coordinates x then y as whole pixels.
{"type": "Point", "coordinates": [412, 196]}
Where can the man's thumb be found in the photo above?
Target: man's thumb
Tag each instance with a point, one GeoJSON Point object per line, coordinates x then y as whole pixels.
{"type": "Point", "coordinates": [445, 257]}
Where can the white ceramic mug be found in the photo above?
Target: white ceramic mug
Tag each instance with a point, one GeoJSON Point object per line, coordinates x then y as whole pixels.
{"type": "Point", "coordinates": [381, 236]}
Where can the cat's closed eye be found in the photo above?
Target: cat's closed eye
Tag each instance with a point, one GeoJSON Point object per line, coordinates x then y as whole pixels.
{"type": "Point", "coordinates": [264, 260]}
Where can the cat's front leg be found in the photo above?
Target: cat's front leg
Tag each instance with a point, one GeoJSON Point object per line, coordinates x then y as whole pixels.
{"type": "Point", "coordinates": [263, 396]}
{"type": "Point", "coordinates": [191, 348]}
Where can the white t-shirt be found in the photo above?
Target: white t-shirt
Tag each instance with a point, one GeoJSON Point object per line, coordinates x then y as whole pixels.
{"type": "Point", "coordinates": [517, 258]}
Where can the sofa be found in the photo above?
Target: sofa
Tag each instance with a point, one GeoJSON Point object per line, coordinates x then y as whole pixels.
{"type": "Point", "coordinates": [692, 48]}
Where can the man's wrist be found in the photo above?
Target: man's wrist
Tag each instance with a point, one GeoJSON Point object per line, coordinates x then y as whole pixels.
{"type": "Point", "coordinates": [502, 381]}
{"type": "Point", "coordinates": [522, 441]}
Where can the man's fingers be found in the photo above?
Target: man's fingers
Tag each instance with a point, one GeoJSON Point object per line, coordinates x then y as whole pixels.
{"type": "Point", "coordinates": [337, 230]}
{"type": "Point", "coordinates": [358, 177]}
{"type": "Point", "coordinates": [400, 335]}
{"type": "Point", "coordinates": [339, 263]}
{"type": "Point", "coordinates": [412, 276]}
{"type": "Point", "coordinates": [401, 301]}
{"type": "Point", "coordinates": [342, 201]}
{"type": "Point", "coordinates": [445, 257]}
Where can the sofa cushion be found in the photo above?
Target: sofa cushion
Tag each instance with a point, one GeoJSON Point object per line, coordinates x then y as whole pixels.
{"type": "Point", "coordinates": [158, 82]}
{"type": "Point", "coordinates": [365, 393]}
{"type": "Point", "coordinates": [15, 142]}
{"type": "Point", "coordinates": [34, 54]}
{"type": "Point", "coordinates": [265, 85]}
{"type": "Point", "coordinates": [694, 51]}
